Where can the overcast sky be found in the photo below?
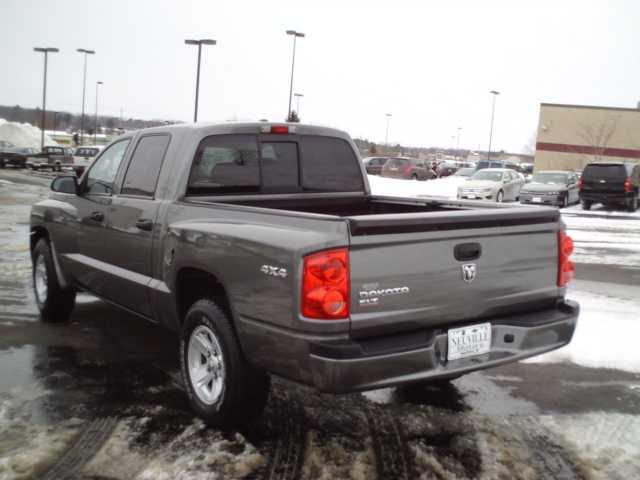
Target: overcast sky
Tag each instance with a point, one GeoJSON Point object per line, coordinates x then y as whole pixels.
{"type": "Point", "coordinates": [429, 64]}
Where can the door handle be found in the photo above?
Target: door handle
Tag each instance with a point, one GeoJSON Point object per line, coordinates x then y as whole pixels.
{"type": "Point", "coordinates": [144, 224]}
{"type": "Point", "coordinates": [96, 216]}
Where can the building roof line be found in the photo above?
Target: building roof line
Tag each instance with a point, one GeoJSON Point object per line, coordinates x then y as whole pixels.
{"type": "Point", "coordinates": [591, 107]}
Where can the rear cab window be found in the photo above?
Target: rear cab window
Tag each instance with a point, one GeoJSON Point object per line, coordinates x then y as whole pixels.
{"type": "Point", "coordinates": [261, 164]}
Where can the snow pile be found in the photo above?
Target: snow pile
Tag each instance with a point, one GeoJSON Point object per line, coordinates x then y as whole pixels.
{"type": "Point", "coordinates": [22, 134]}
{"type": "Point", "coordinates": [446, 187]}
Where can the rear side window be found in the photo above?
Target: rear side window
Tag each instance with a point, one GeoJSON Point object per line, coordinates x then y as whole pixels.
{"type": "Point", "coordinates": [604, 172]}
{"type": "Point", "coordinates": [142, 175]}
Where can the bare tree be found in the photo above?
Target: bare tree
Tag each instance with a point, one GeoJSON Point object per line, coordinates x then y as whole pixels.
{"type": "Point", "coordinates": [598, 136]}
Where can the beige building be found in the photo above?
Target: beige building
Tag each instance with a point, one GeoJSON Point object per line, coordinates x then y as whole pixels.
{"type": "Point", "coordinates": [570, 136]}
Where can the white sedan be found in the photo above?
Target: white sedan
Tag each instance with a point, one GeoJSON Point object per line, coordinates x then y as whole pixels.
{"type": "Point", "coordinates": [496, 184]}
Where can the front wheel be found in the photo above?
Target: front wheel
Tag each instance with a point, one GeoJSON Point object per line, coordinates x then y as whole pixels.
{"type": "Point", "coordinates": [633, 204]}
{"type": "Point", "coordinates": [223, 388]}
{"type": "Point", "coordinates": [55, 303]}
{"type": "Point", "coordinates": [565, 201]}
{"type": "Point", "coordinates": [500, 197]}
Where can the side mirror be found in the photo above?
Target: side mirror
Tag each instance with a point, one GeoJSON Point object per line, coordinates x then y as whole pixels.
{"type": "Point", "coordinates": [65, 184]}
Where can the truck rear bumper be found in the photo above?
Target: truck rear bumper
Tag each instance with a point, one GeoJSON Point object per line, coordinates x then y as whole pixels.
{"type": "Point", "coordinates": [348, 366]}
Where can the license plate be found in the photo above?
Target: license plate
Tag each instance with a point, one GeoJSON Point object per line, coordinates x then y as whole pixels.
{"type": "Point", "coordinates": [536, 200]}
{"type": "Point", "coordinates": [471, 195]}
{"type": "Point", "coordinates": [469, 341]}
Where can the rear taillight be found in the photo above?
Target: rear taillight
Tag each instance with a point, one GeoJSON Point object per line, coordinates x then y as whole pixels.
{"type": "Point", "coordinates": [628, 186]}
{"type": "Point", "coordinates": [325, 285]}
{"type": "Point", "coordinates": [566, 269]}
{"type": "Point", "coordinates": [580, 184]}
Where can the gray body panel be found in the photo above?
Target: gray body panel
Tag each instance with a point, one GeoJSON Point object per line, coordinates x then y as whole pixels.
{"type": "Point", "coordinates": [138, 269]}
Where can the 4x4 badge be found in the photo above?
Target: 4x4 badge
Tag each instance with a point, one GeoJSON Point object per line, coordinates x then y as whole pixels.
{"type": "Point", "coordinates": [469, 272]}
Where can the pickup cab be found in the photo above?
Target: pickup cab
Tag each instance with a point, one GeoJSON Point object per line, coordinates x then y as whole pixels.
{"type": "Point", "coordinates": [263, 248]}
{"type": "Point", "coordinates": [52, 157]}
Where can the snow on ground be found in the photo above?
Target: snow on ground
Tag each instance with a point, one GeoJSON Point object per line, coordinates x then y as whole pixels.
{"type": "Point", "coordinates": [607, 333]}
{"type": "Point", "coordinates": [442, 187]}
{"type": "Point", "coordinates": [22, 134]}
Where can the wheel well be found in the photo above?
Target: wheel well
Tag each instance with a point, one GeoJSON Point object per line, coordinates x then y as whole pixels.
{"type": "Point", "coordinates": [36, 234]}
{"type": "Point", "coordinates": [193, 284]}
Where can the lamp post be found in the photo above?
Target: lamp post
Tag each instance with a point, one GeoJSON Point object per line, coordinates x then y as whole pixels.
{"type": "Point", "coordinates": [199, 43]}
{"type": "Point", "coordinates": [386, 135]}
{"type": "Point", "coordinates": [493, 109]}
{"type": "Point", "coordinates": [458, 145]}
{"type": "Point", "coordinates": [298, 95]}
{"type": "Point", "coordinates": [46, 51]}
{"type": "Point", "coordinates": [95, 126]}
{"type": "Point", "coordinates": [84, 88]}
{"type": "Point", "coordinates": [293, 63]}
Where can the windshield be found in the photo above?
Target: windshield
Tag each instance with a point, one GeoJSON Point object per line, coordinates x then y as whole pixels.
{"type": "Point", "coordinates": [550, 178]}
{"type": "Point", "coordinates": [488, 175]}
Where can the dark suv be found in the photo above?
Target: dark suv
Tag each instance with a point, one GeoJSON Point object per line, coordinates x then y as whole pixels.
{"type": "Point", "coordinates": [610, 184]}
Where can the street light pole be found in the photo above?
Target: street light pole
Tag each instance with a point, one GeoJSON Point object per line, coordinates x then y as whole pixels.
{"type": "Point", "coordinates": [199, 43]}
{"type": "Point", "coordinates": [458, 145]}
{"type": "Point", "coordinates": [84, 88]}
{"type": "Point", "coordinates": [493, 109]}
{"type": "Point", "coordinates": [386, 135]}
{"type": "Point", "coordinates": [293, 63]}
{"type": "Point", "coordinates": [95, 126]}
{"type": "Point", "coordinates": [46, 52]}
{"type": "Point", "coordinates": [298, 95]}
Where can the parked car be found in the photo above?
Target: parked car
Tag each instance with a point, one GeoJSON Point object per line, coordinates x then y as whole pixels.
{"type": "Point", "coordinates": [482, 164]}
{"type": "Point", "coordinates": [465, 172]}
{"type": "Point", "coordinates": [83, 156]}
{"type": "Point", "coordinates": [374, 165]}
{"type": "Point", "coordinates": [408, 168]}
{"type": "Point", "coordinates": [262, 246]}
{"type": "Point", "coordinates": [53, 157]}
{"type": "Point", "coordinates": [15, 156]}
{"type": "Point", "coordinates": [445, 169]}
{"type": "Point", "coordinates": [497, 184]}
{"type": "Point", "coordinates": [610, 183]}
{"type": "Point", "coordinates": [558, 188]}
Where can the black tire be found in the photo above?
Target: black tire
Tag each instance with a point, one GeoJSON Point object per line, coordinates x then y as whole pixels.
{"type": "Point", "coordinates": [500, 196]}
{"type": "Point", "coordinates": [414, 176]}
{"type": "Point", "coordinates": [586, 205]}
{"type": "Point", "coordinates": [2, 163]}
{"type": "Point", "coordinates": [565, 201]}
{"type": "Point", "coordinates": [633, 204]}
{"type": "Point", "coordinates": [58, 303]}
{"type": "Point", "coordinates": [245, 389]}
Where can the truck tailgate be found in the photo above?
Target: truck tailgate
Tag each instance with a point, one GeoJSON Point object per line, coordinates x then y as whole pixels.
{"type": "Point", "coordinates": [407, 269]}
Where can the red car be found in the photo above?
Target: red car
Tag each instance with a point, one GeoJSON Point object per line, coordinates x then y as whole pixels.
{"type": "Point", "coordinates": [407, 168]}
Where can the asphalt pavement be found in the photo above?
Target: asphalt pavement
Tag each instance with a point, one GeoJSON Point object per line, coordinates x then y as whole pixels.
{"type": "Point", "coordinates": [100, 398]}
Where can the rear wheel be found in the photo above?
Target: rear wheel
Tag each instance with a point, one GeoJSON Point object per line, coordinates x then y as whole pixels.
{"type": "Point", "coordinates": [54, 302]}
{"type": "Point", "coordinates": [414, 176]}
{"type": "Point", "coordinates": [586, 205]}
{"type": "Point", "coordinates": [500, 197]}
{"type": "Point", "coordinates": [633, 204]}
{"type": "Point", "coordinates": [2, 162]}
{"type": "Point", "coordinates": [565, 201]}
{"type": "Point", "coordinates": [223, 388]}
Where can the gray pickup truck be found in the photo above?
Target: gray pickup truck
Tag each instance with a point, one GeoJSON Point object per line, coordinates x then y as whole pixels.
{"type": "Point", "coordinates": [262, 246]}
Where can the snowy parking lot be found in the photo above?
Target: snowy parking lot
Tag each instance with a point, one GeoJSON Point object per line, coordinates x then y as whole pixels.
{"type": "Point", "coordinates": [100, 398]}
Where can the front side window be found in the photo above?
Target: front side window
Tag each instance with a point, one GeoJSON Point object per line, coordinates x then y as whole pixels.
{"type": "Point", "coordinates": [226, 164]}
{"type": "Point", "coordinates": [143, 171]}
{"type": "Point", "coordinates": [102, 175]}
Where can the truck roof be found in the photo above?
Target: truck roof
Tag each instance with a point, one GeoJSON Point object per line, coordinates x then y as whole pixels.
{"type": "Point", "coordinates": [249, 128]}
